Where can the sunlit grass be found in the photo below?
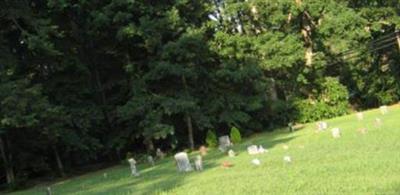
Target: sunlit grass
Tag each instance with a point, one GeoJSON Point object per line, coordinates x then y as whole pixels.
{"type": "Point", "coordinates": [356, 163]}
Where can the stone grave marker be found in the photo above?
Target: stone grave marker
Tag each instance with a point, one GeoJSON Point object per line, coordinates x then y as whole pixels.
{"type": "Point", "coordinates": [252, 150]}
{"type": "Point", "coordinates": [287, 159]}
{"type": "Point", "coordinates": [383, 109]}
{"type": "Point", "coordinates": [132, 164]}
{"type": "Point", "coordinates": [336, 132]}
{"type": "Point", "coordinates": [48, 191]}
{"type": "Point", "coordinates": [160, 154]}
{"type": "Point", "coordinates": [224, 143]}
{"type": "Point", "coordinates": [256, 162]}
{"type": "Point", "coordinates": [150, 160]}
{"type": "Point", "coordinates": [231, 153]}
{"type": "Point", "coordinates": [285, 147]}
{"type": "Point", "coordinates": [198, 163]}
{"type": "Point", "coordinates": [182, 162]}
{"type": "Point", "coordinates": [322, 126]}
{"type": "Point", "coordinates": [203, 150]}
{"type": "Point", "coordinates": [261, 149]}
{"type": "Point", "coordinates": [360, 116]}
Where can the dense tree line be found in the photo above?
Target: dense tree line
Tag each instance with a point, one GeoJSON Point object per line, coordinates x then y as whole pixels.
{"type": "Point", "coordinates": [84, 82]}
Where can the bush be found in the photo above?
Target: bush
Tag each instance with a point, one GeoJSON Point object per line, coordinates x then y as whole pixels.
{"type": "Point", "coordinates": [331, 101]}
{"type": "Point", "coordinates": [235, 135]}
{"type": "Point", "coordinates": [211, 139]}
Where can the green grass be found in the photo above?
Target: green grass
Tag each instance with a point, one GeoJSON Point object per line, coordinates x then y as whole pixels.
{"type": "Point", "coordinates": [353, 164]}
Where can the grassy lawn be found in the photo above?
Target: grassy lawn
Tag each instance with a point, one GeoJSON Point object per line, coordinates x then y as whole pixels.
{"type": "Point", "coordinates": [356, 163]}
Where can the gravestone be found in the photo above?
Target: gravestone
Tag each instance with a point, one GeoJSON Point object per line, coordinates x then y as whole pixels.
{"type": "Point", "coordinates": [231, 153]}
{"type": "Point", "coordinates": [198, 163]}
{"type": "Point", "coordinates": [182, 162]}
{"type": "Point", "coordinates": [321, 126]}
{"type": "Point", "coordinates": [383, 109]}
{"type": "Point", "coordinates": [160, 154]}
{"type": "Point", "coordinates": [336, 132]}
{"type": "Point", "coordinates": [287, 159]}
{"type": "Point", "coordinates": [261, 149]}
{"type": "Point", "coordinates": [285, 147]}
{"type": "Point", "coordinates": [360, 116]}
{"type": "Point", "coordinates": [256, 162]}
{"type": "Point", "coordinates": [203, 150]}
{"type": "Point", "coordinates": [105, 175]}
{"type": "Point", "coordinates": [150, 160]}
{"type": "Point", "coordinates": [132, 164]}
{"type": "Point", "coordinates": [224, 143]}
{"type": "Point", "coordinates": [48, 191]}
{"type": "Point", "coordinates": [252, 150]}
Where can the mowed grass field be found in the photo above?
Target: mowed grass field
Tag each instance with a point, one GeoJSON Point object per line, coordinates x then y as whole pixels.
{"type": "Point", "coordinates": [356, 163]}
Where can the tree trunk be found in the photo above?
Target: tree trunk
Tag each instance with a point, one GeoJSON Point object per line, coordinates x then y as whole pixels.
{"type": "Point", "coordinates": [188, 118]}
{"type": "Point", "coordinates": [7, 166]}
{"type": "Point", "coordinates": [60, 166]}
{"type": "Point", "coordinates": [190, 131]}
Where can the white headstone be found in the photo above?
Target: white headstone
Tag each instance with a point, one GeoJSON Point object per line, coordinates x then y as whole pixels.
{"type": "Point", "coordinates": [198, 163]}
{"type": "Point", "coordinates": [48, 191]}
{"type": "Point", "coordinates": [224, 143]}
{"type": "Point", "coordinates": [150, 159]}
{"type": "Point", "coordinates": [360, 116]}
{"type": "Point", "coordinates": [105, 175]}
{"type": "Point", "coordinates": [256, 162]}
{"type": "Point", "coordinates": [322, 126]}
{"type": "Point", "coordinates": [287, 159]}
{"type": "Point", "coordinates": [378, 121]}
{"type": "Point", "coordinates": [182, 162]}
{"type": "Point", "coordinates": [285, 147]}
{"type": "Point", "coordinates": [336, 132]}
{"type": "Point", "coordinates": [252, 150]}
{"type": "Point", "coordinates": [383, 109]}
{"type": "Point", "coordinates": [261, 149]}
{"type": "Point", "coordinates": [231, 153]}
{"type": "Point", "coordinates": [132, 164]}
{"type": "Point", "coordinates": [160, 154]}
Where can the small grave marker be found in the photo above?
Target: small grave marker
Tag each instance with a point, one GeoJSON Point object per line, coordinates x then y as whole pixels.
{"type": "Point", "coordinates": [231, 153]}
{"type": "Point", "coordinates": [336, 132]}
{"type": "Point", "coordinates": [252, 150]}
{"type": "Point", "coordinates": [150, 160]}
{"type": "Point", "coordinates": [285, 147]}
{"type": "Point", "coordinates": [360, 116]}
{"type": "Point", "coordinates": [322, 126]}
{"type": "Point", "coordinates": [160, 154]}
{"type": "Point", "coordinates": [198, 163]}
{"type": "Point", "coordinates": [256, 162]}
{"type": "Point", "coordinates": [132, 164]}
{"type": "Point", "coordinates": [261, 149]}
{"type": "Point", "coordinates": [203, 150]}
{"type": "Point", "coordinates": [48, 191]}
{"type": "Point", "coordinates": [224, 143]}
{"type": "Point", "coordinates": [182, 162]}
{"type": "Point", "coordinates": [383, 109]}
{"type": "Point", "coordinates": [287, 159]}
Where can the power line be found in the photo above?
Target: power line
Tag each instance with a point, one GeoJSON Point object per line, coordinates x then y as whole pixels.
{"type": "Point", "coordinates": [373, 43]}
{"type": "Point", "coordinates": [366, 50]}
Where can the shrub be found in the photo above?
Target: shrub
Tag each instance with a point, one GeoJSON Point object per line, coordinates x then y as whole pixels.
{"type": "Point", "coordinates": [235, 135]}
{"type": "Point", "coordinates": [330, 101]}
{"type": "Point", "coordinates": [211, 139]}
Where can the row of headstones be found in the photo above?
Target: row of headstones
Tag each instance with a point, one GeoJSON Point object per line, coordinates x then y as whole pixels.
{"type": "Point", "coordinates": [132, 162]}
{"type": "Point", "coordinates": [183, 163]}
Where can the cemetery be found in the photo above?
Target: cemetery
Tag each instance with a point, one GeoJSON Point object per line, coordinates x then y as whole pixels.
{"type": "Point", "coordinates": [199, 97]}
{"type": "Point", "coordinates": [350, 159]}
